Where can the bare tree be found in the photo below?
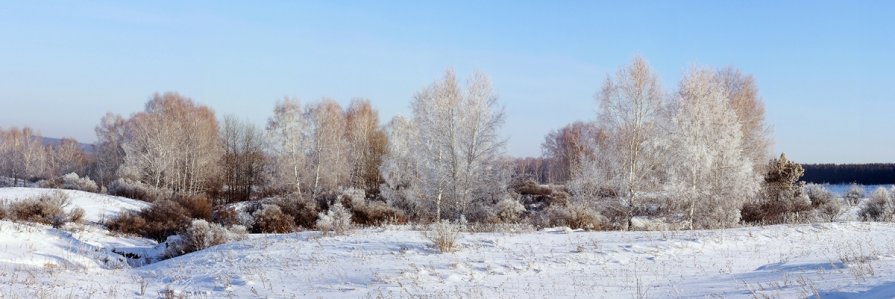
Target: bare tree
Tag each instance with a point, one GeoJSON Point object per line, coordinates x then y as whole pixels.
{"type": "Point", "coordinates": [456, 147]}
{"type": "Point", "coordinates": [68, 157]}
{"type": "Point", "coordinates": [741, 91]}
{"type": "Point", "coordinates": [399, 170]}
{"type": "Point", "coordinates": [290, 142]}
{"type": "Point", "coordinates": [708, 173]}
{"type": "Point", "coordinates": [244, 159]}
{"type": "Point", "coordinates": [569, 147]}
{"type": "Point", "coordinates": [173, 144]}
{"type": "Point", "coordinates": [329, 156]}
{"type": "Point", "coordinates": [631, 107]}
{"type": "Point", "coordinates": [22, 153]}
{"type": "Point", "coordinates": [366, 144]}
{"type": "Point", "coordinates": [109, 153]}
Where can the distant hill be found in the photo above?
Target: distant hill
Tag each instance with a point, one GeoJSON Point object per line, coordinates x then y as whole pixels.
{"type": "Point", "coordinates": [86, 147]}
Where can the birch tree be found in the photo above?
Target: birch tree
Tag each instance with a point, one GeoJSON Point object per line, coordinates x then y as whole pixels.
{"type": "Point", "coordinates": [290, 143]}
{"type": "Point", "coordinates": [456, 146]}
{"type": "Point", "coordinates": [742, 93]}
{"type": "Point", "coordinates": [329, 156]}
{"type": "Point", "coordinates": [173, 145]}
{"type": "Point", "coordinates": [709, 174]}
{"type": "Point", "coordinates": [631, 108]}
{"type": "Point", "coordinates": [23, 154]}
{"type": "Point", "coordinates": [366, 144]}
{"type": "Point", "coordinates": [110, 135]}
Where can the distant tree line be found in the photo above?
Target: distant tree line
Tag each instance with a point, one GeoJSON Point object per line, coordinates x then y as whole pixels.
{"type": "Point", "coordinates": [865, 174]}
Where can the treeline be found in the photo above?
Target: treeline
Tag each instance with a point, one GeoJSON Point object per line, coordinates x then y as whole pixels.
{"type": "Point", "coordinates": [692, 157]}
{"type": "Point", "coordinates": [865, 174]}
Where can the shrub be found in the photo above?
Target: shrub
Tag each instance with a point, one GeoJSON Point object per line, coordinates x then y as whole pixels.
{"type": "Point", "coordinates": [826, 206]}
{"type": "Point", "coordinates": [509, 210]}
{"type": "Point", "coordinates": [792, 210]}
{"type": "Point", "coordinates": [370, 212]}
{"type": "Point", "coordinates": [2, 211]}
{"type": "Point", "coordinates": [879, 207]}
{"type": "Point", "coordinates": [201, 234]}
{"type": "Point", "coordinates": [226, 216]}
{"type": "Point", "coordinates": [165, 218]}
{"type": "Point", "coordinates": [158, 221]}
{"type": "Point", "coordinates": [443, 236]}
{"type": "Point", "coordinates": [577, 215]}
{"type": "Point", "coordinates": [302, 210]}
{"type": "Point", "coordinates": [270, 219]}
{"type": "Point", "coordinates": [72, 181]}
{"type": "Point", "coordinates": [137, 190]}
{"type": "Point", "coordinates": [198, 206]}
{"type": "Point", "coordinates": [46, 209]}
{"type": "Point", "coordinates": [854, 194]}
{"type": "Point", "coordinates": [128, 223]}
{"type": "Point", "coordinates": [336, 220]}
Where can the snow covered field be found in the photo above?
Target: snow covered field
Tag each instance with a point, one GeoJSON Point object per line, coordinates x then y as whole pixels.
{"type": "Point", "coordinates": [835, 260]}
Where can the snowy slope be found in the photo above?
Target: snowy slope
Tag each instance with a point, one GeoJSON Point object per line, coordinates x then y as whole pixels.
{"type": "Point", "coordinates": [835, 260]}
{"type": "Point", "coordinates": [98, 207]}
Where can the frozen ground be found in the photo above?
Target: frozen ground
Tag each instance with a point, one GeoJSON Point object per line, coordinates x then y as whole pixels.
{"type": "Point", "coordinates": [836, 260]}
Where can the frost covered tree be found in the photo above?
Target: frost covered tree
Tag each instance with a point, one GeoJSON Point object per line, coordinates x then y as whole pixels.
{"type": "Point", "coordinates": [22, 154]}
{"type": "Point", "coordinates": [631, 109]}
{"type": "Point", "coordinates": [67, 157]}
{"type": "Point", "coordinates": [742, 93]}
{"type": "Point", "coordinates": [329, 156]}
{"type": "Point", "coordinates": [109, 154]}
{"type": "Point", "coordinates": [287, 131]}
{"type": "Point", "coordinates": [399, 166]}
{"type": "Point", "coordinates": [708, 173]}
{"type": "Point", "coordinates": [173, 144]}
{"type": "Point", "coordinates": [453, 143]}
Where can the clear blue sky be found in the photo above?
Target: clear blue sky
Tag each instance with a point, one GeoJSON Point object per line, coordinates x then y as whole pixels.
{"type": "Point", "coordinates": [826, 70]}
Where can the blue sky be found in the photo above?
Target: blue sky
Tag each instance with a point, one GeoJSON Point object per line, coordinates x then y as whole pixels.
{"type": "Point", "coordinates": [824, 69]}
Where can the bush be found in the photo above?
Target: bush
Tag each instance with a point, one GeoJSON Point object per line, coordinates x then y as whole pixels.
{"type": "Point", "coordinates": [201, 234]}
{"type": "Point", "coordinates": [226, 216]}
{"type": "Point", "coordinates": [302, 210]}
{"type": "Point", "coordinates": [792, 210]}
{"type": "Point", "coordinates": [198, 206]}
{"type": "Point", "coordinates": [443, 236]}
{"type": "Point", "coordinates": [2, 211]}
{"type": "Point", "coordinates": [137, 190]}
{"type": "Point", "coordinates": [46, 209]}
{"type": "Point", "coordinates": [158, 221]}
{"type": "Point", "coordinates": [73, 182]}
{"type": "Point", "coordinates": [508, 210]}
{"type": "Point", "coordinates": [879, 207]}
{"type": "Point", "coordinates": [827, 207]}
{"type": "Point", "coordinates": [127, 223]}
{"type": "Point", "coordinates": [370, 212]}
{"type": "Point", "coordinates": [854, 194]}
{"type": "Point", "coordinates": [336, 220]}
{"type": "Point", "coordinates": [270, 219]}
{"type": "Point", "coordinates": [577, 215]}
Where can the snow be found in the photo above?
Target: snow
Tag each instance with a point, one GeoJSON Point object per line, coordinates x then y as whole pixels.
{"type": "Point", "coordinates": [97, 207]}
{"type": "Point", "coordinates": [833, 260]}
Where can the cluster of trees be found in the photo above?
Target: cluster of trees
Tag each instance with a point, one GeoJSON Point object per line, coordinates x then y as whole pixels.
{"type": "Point", "coordinates": [179, 146]}
{"type": "Point", "coordinates": [24, 156]}
{"type": "Point", "coordinates": [697, 154]}
{"type": "Point", "coordinates": [865, 174]}
{"type": "Point", "coordinates": [702, 148]}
